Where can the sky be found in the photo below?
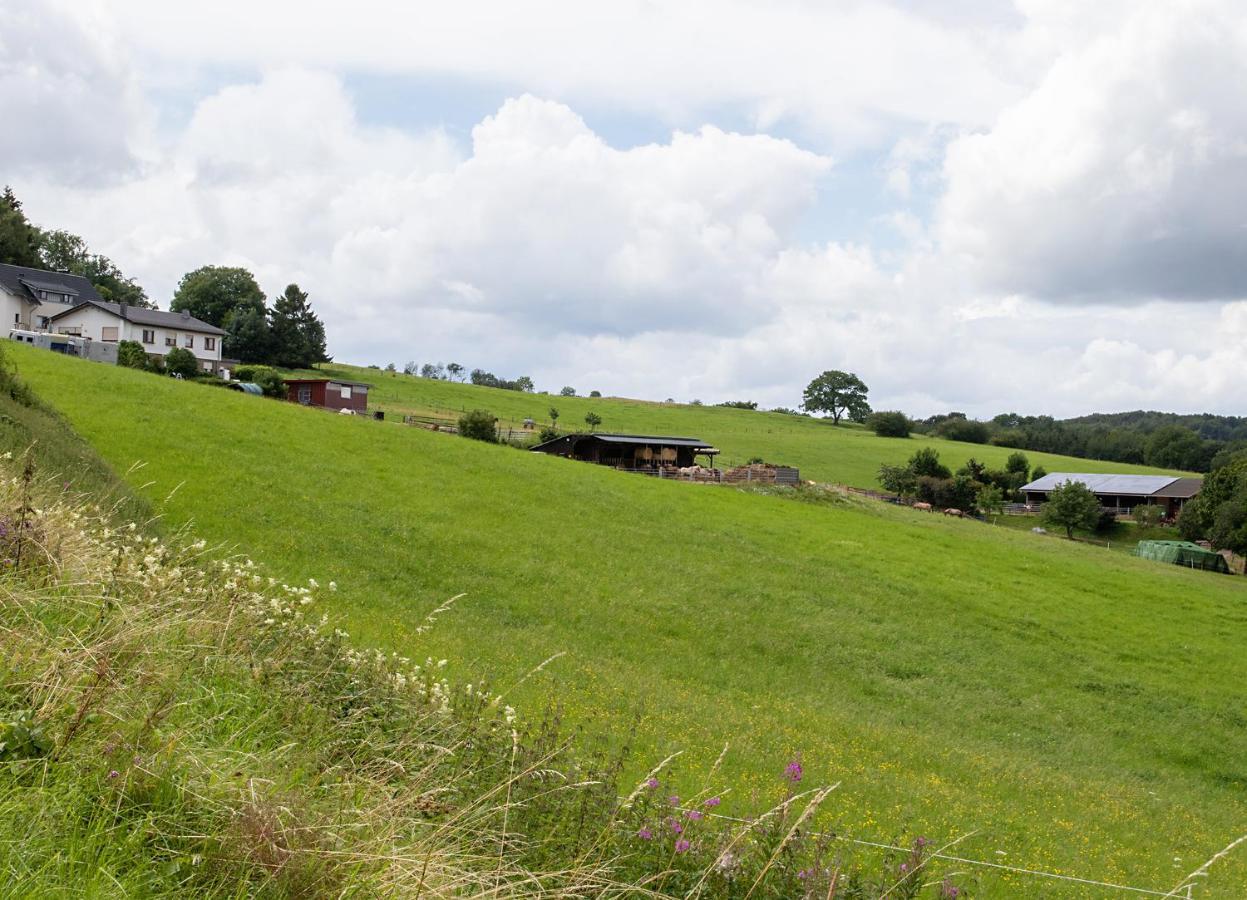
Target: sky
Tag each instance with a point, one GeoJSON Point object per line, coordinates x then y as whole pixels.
{"type": "Point", "coordinates": [1038, 206]}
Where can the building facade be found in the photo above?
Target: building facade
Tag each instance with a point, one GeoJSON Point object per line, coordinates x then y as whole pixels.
{"type": "Point", "coordinates": [29, 298]}
{"type": "Point", "coordinates": [328, 393]}
{"type": "Point", "coordinates": [155, 330]}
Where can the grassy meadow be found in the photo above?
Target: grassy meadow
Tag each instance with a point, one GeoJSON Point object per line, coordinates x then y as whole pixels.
{"type": "Point", "coordinates": [1069, 709]}
{"type": "Point", "coordinates": [846, 454]}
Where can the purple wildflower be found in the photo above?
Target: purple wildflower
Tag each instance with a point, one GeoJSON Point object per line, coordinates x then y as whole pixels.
{"type": "Point", "coordinates": [713, 801]}
{"type": "Point", "coordinates": [793, 771]}
{"type": "Point", "coordinates": [645, 834]}
{"type": "Point", "coordinates": [803, 874]}
{"type": "Point", "coordinates": [673, 800]}
{"type": "Point", "coordinates": [681, 846]}
{"type": "Point", "coordinates": [694, 815]}
{"type": "Point", "coordinates": [113, 773]}
{"type": "Point", "coordinates": [904, 869]}
{"type": "Point", "coordinates": [652, 783]}
{"type": "Point", "coordinates": [949, 891]}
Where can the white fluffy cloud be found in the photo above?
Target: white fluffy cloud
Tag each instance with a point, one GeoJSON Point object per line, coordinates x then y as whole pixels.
{"type": "Point", "coordinates": [682, 267]}
{"type": "Point", "coordinates": [1123, 175]}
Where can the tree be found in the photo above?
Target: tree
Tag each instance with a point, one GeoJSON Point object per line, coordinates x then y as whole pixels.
{"type": "Point", "coordinates": [595, 393]}
{"type": "Point", "coordinates": [411, 368]}
{"type": "Point", "coordinates": [889, 424]}
{"type": "Point", "coordinates": [899, 480]}
{"type": "Point", "coordinates": [837, 394]}
{"type": "Point", "coordinates": [247, 336]}
{"type": "Point", "coordinates": [296, 335]}
{"type": "Point", "coordinates": [593, 420]}
{"type": "Point", "coordinates": [19, 240]}
{"type": "Point", "coordinates": [927, 462]}
{"type": "Point", "coordinates": [1147, 515]}
{"type": "Point", "coordinates": [1072, 505]}
{"type": "Point", "coordinates": [480, 425]}
{"type": "Point", "coordinates": [525, 384]}
{"type": "Point", "coordinates": [962, 429]}
{"type": "Point", "coordinates": [990, 500]}
{"type": "Point", "coordinates": [62, 251]}
{"type": "Point", "coordinates": [131, 355]}
{"type": "Point", "coordinates": [1174, 447]}
{"type": "Point", "coordinates": [429, 370]}
{"type": "Point", "coordinates": [213, 293]}
{"type": "Point", "coordinates": [554, 415]}
{"type": "Point", "coordinates": [974, 470]}
{"type": "Point", "coordinates": [567, 392]}
{"type": "Point", "coordinates": [180, 361]}
{"type": "Point", "coordinates": [1039, 472]}
{"type": "Point", "coordinates": [454, 371]}
{"type": "Point", "coordinates": [1018, 464]}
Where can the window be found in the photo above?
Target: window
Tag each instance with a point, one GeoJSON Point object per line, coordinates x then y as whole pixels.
{"type": "Point", "coordinates": [305, 394]}
{"type": "Point", "coordinates": [209, 343]}
{"type": "Point", "coordinates": [346, 392]}
{"type": "Point", "coordinates": [108, 333]}
{"type": "Point", "coordinates": [170, 341]}
{"type": "Point", "coordinates": [149, 336]}
{"type": "Point", "coordinates": [188, 341]}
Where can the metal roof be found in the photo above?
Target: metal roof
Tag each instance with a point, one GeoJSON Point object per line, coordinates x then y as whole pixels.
{"type": "Point", "coordinates": [1133, 485]}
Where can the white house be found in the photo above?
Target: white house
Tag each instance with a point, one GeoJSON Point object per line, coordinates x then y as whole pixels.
{"type": "Point", "coordinates": [29, 298]}
{"type": "Point", "coordinates": [156, 330]}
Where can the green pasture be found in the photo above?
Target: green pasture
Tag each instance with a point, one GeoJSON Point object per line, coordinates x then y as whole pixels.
{"type": "Point", "coordinates": [1067, 708]}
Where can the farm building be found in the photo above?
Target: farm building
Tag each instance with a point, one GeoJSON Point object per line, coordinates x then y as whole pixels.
{"type": "Point", "coordinates": [1122, 492]}
{"type": "Point", "coordinates": [630, 451]}
{"type": "Point", "coordinates": [328, 393]}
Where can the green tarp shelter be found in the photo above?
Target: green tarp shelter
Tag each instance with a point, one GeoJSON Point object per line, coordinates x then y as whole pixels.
{"type": "Point", "coordinates": [1182, 553]}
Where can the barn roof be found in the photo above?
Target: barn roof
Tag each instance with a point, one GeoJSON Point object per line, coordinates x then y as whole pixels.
{"type": "Point", "coordinates": [649, 439]}
{"type": "Point", "coordinates": [1181, 488]}
{"type": "Point", "coordinates": [1131, 485]}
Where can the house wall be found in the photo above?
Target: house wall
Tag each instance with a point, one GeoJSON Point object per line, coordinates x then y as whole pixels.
{"type": "Point", "coordinates": [91, 321]}
{"type": "Point", "coordinates": [16, 312]}
{"type": "Point", "coordinates": [329, 396]}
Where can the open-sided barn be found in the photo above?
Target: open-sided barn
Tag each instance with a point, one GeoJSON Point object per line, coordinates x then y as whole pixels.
{"type": "Point", "coordinates": [629, 451]}
{"type": "Point", "coordinates": [1122, 491]}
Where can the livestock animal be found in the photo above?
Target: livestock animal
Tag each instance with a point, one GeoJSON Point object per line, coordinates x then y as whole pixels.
{"type": "Point", "coordinates": [923, 506]}
{"type": "Point", "coordinates": [954, 512]}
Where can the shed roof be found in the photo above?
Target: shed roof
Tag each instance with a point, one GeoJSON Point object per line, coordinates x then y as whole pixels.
{"type": "Point", "coordinates": [24, 281]}
{"type": "Point", "coordinates": [363, 384]}
{"type": "Point", "coordinates": [652, 440]}
{"type": "Point", "coordinates": [1181, 488]}
{"type": "Point", "coordinates": [1132, 485]}
{"type": "Point", "coordinates": [142, 316]}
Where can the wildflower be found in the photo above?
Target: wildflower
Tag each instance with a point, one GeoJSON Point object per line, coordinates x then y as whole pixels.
{"type": "Point", "coordinates": [694, 815]}
{"type": "Point", "coordinates": [682, 845]}
{"type": "Point", "coordinates": [673, 800]}
{"type": "Point", "coordinates": [652, 783]}
{"type": "Point", "coordinates": [333, 585]}
{"type": "Point", "coordinates": [713, 801]}
{"type": "Point", "coordinates": [949, 891]}
{"type": "Point", "coordinates": [113, 773]}
{"type": "Point", "coordinates": [904, 868]}
{"type": "Point", "coordinates": [674, 825]}
{"type": "Point", "coordinates": [803, 874]}
{"type": "Point", "coordinates": [727, 863]}
{"type": "Point", "coordinates": [793, 771]}
{"type": "Point", "coordinates": [645, 834]}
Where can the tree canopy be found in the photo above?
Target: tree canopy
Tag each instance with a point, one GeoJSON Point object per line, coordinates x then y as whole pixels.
{"type": "Point", "coordinates": [837, 394]}
{"type": "Point", "coordinates": [61, 250]}
{"type": "Point", "coordinates": [19, 240]}
{"type": "Point", "coordinates": [1072, 505]}
{"type": "Point", "coordinates": [296, 335]}
{"type": "Point", "coordinates": [214, 294]}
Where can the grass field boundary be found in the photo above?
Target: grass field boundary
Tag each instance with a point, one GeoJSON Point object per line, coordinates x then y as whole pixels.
{"type": "Point", "coordinates": [1017, 870]}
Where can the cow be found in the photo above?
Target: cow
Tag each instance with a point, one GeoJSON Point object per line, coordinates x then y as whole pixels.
{"type": "Point", "coordinates": [924, 506]}
{"type": "Point", "coordinates": [954, 512]}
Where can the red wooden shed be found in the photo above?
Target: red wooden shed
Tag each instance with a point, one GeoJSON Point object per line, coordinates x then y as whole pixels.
{"type": "Point", "coordinates": [328, 393]}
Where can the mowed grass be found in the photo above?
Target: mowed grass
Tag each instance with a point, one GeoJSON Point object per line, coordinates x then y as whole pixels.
{"type": "Point", "coordinates": [845, 454]}
{"type": "Point", "coordinates": [1078, 710]}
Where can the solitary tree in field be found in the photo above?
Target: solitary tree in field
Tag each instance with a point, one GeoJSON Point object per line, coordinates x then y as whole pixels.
{"type": "Point", "coordinates": [554, 415]}
{"type": "Point", "coordinates": [1072, 505]}
{"type": "Point", "coordinates": [593, 420]}
{"type": "Point", "coordinates": [568, 392]}
{"type": "Point", "coordinates": [838, 394]}
{"type": "Point", "coordinates": [454, 371]}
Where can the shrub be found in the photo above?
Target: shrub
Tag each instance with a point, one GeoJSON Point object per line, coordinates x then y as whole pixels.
{"type": "Point", "coordinates": [180, 361]}
{"type": "Point", "coordinates": [889, 423]}
{"type": "Point", "coordinates": [268, 378]}
{"type": "Point", "coordinates": [927, 462]}
{"type": "Point", "coordinates": [593, 420]}
{"type": "Point", "coordinates": [131, 355]}
{"type": "Point", "coordinates": [479, 425]}
{"type": "Point", "coordinates": [1017, 463]}
{"type": "Point", "coordinates": [967, 431]}
{"type": "Point", "coordinates": [1147, 515]}
{"type": "Point", "coordinates": [1072, 505]}
{"type": "Point", "coordinates": [548, 433]}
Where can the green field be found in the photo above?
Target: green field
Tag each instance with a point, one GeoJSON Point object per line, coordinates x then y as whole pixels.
{"type": "Point", "coordinates": [846, 454]}
{"type": "Point", "coordinates": [1078, 710]}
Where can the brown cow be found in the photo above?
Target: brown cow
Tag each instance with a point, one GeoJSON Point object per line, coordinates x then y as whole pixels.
{"type": "Point", "coordinates": [924, 506]}
{"type": "Point", "coordinates": [954, 512]}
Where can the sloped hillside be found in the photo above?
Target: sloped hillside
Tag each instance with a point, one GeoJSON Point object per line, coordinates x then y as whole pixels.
{"type": "Point", "coordinates": [1078, 711]}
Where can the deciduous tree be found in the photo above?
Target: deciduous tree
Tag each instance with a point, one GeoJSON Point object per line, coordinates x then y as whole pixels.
{"type": "Point", "coordinates": [1072, 505]}
{"type": "Point", "coordinates": [838, 394]}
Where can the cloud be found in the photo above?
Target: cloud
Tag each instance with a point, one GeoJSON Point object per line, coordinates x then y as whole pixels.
{"type": "Point", "coordinates": [1123, 175]}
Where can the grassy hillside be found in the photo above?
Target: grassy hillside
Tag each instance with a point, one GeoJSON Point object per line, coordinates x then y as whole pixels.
{"type": "Point", "coordinates": [1078, 710]}
{"type": "Point", "coordinates": [847, 454]}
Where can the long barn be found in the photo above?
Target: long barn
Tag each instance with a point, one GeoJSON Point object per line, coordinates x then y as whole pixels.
{"type": "Point", "coordinates": [1122, 491]}
{"type": "Point", "coordinates": [630, 451]}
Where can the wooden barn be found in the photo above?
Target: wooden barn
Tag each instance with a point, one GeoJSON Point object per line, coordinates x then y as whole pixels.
{"type": "Point", "coordinates": [640, 452]}
{"type": "Point", "coordinates": [328, 393]}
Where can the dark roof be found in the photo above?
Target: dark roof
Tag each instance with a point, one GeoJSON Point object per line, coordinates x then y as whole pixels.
{"type": "Point", "coordinates": [325, 381]}
{"type": "Point", "coordinates": [1181, 489]}
{"type": "Point", "coordinates": [23, 280]}
{"type": "Point", "coordinates": [650, 439]}
{"type": "Point", "coordinates": [247, 387]}
{"type": "Point", "coordinates": [141, 316]}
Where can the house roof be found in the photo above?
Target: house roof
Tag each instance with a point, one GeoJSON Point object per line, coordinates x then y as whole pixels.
{"type": "Point", "coordinates": [362, 384]}
{"type": "Point", "coordinates": [1122, 485]}
{"type": "Point", "coordinates": [25, 281]}
{"type": "Point", "coordinates": [1181, 488]}
{"type": "Point", "coordinates": [141, 316]}
{"type": "Point", "coordinates": [650, 439]}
